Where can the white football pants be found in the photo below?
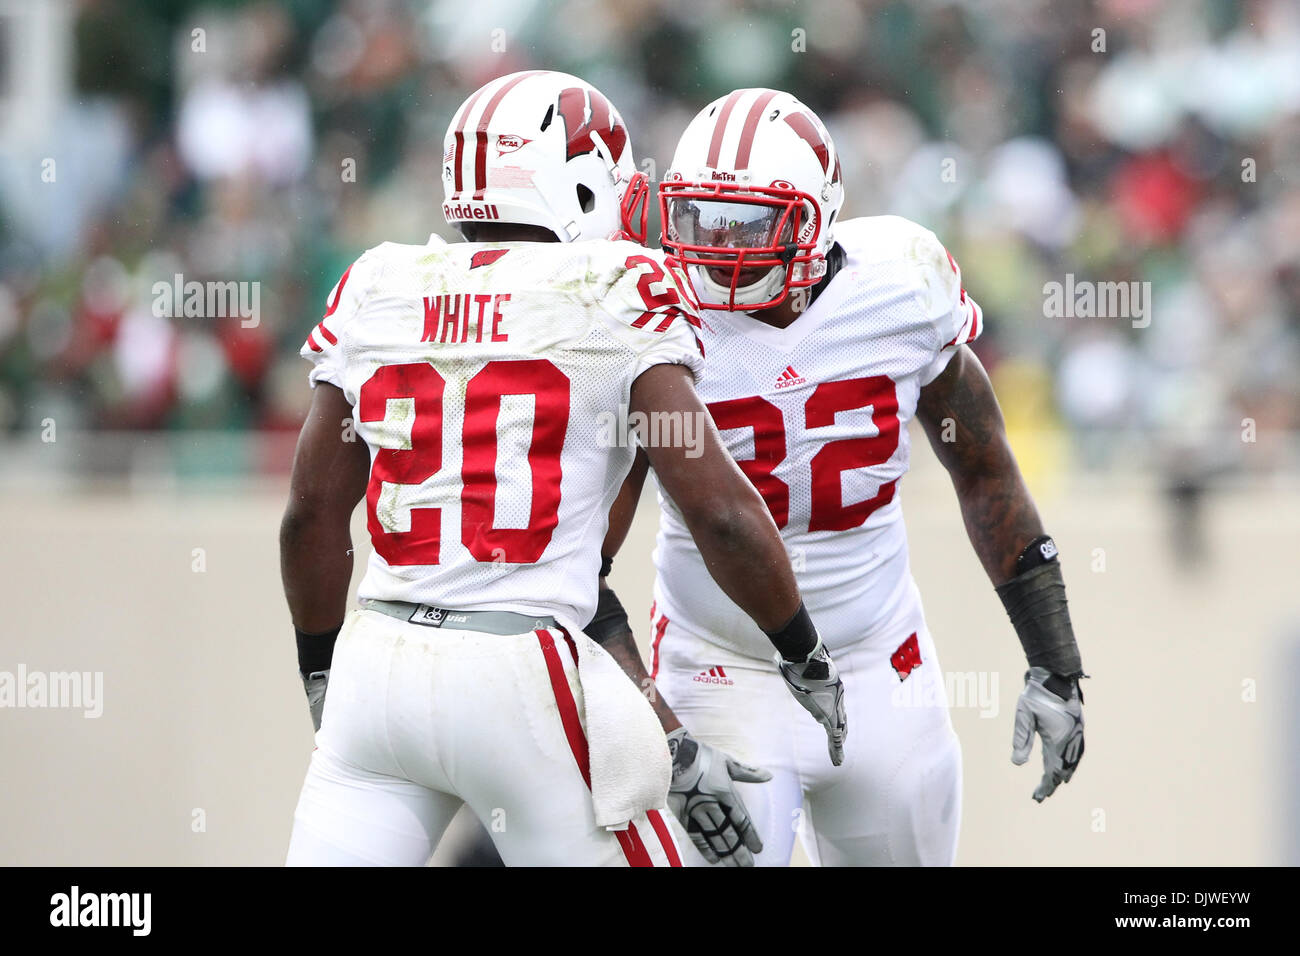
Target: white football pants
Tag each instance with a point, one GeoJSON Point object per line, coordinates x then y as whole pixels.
{"type": "Point", "coordinates": [896, 799]}
{"type": "Point", "coordinates": [419, 720]}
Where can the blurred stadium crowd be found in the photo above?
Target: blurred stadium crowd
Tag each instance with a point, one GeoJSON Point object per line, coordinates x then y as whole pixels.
{"type": "Point", "coordinates": [1119, 140]}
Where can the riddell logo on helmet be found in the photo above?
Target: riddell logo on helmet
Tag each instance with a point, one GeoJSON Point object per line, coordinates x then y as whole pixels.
{"type": "Point", "coordinates": [466, 210]}
{"type": "Point", "coordinates": [724, 177]}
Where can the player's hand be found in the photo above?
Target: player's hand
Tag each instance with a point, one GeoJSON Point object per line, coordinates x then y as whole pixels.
{"type": "Point", "coordinates": [315, 684]}
{"type": "Point", "coordinates": [816, 685]}
{"type": "Point", "coordinates": [703, 797]}
{"type": "Point", "coordinates": [1058, 721]}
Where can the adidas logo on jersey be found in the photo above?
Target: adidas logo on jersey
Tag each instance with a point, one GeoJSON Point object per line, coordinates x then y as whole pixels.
{"type": "Point", "coordinates": [714, 675]}
{"type": "Point", "coordinates": [789, 378]}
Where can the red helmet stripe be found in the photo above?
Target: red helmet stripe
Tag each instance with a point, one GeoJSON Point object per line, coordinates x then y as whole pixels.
{"type": "Point", "coordinates": [460, 141]}
{"type": "Point", "coordinates": [720, 128]}
{"type": "Point", "coordinates": [480, 157]}
{"type": "Point", "coordinates": [751, 126]}
{"type": "Point", "coordinates": [808, 133]}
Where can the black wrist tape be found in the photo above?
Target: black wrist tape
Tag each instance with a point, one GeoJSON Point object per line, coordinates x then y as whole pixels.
{"type": "Point", "coordinates": [610, 620]}
{"type": "Point", "coordinates": [1035, 602]}
{"type": "Point", "coordinates": [606, 565]}
{"type": "Point", "coordinates": [315, 651]}
{"type": "Point", "coordinates": [795, 639]}
{"type": "Point", "coordinates": [1041, 550]}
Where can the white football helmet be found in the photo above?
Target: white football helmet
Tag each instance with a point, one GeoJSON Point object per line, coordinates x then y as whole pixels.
{"type": "Point", "coordinates": [545, 149]}
{"type": "Point", "coordinates": [750, 201]}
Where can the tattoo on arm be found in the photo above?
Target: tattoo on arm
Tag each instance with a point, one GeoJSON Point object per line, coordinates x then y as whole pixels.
{"type": "Point", "coordinates": [964, 423]}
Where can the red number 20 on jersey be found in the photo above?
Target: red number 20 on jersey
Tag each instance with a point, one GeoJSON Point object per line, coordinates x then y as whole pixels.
{"type": "Point", "coordinates": [421, 382]}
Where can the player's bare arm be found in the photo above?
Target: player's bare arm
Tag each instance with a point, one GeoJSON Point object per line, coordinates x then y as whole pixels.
{"type": "Point", "coordinates": [702, 795]}
{"type": "Point", "coordinates": [329, 478]}
{"type": "Point", "coordinates": [964, 424]}
{"type": "Point", "coordinates": [614, 632]}
{"type": "Point", "coordinates": [730, 524]}
{"type": "Point", "coordinates": [996, 507]}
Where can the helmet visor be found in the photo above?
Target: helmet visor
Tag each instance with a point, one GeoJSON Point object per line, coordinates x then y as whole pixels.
{"type": "Point", "coordinates": [728, 225]}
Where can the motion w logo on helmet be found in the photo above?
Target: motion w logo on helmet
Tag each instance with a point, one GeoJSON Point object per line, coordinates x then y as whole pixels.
{"type": "Point", "coordinates": [586, 112]}
{"type": "Point", "coordinates": [810, 132]}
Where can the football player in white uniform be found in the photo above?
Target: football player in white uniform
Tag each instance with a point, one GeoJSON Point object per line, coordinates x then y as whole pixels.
{"type": "Point", "coordinates": [824, 338]}
{"type": "Point", "coordinates": [480, 378]}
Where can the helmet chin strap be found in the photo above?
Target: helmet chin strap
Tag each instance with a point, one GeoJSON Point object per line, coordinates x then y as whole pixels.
{"type": "Point", "coordinates": [759, 291]}
{"type": "Point", "coordinates": [834, 263]}
{"type": "Point", "coordinates": [800, 298]}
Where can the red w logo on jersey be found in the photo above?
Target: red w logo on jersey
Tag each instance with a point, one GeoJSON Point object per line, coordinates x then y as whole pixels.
{"type": "Point", "coordinates": [486, 257]}
{"type": "Point", "coordinates": [907, 658]}
{"type": "Point", "coordinates": [581, 120]}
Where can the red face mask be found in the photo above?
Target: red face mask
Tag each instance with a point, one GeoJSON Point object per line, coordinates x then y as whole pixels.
{"type": "Point", "coordinates": [738, 235]}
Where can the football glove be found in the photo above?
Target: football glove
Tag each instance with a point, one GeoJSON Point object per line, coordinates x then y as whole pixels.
{"type": "Point", "coordinates": [315, 684]}
{"type": "Point", "coordinates": [1058, 721]}
{"type": "Point", "coordinates": [703, 797]}
{"type": "Point", "coordinates": [816, 685]}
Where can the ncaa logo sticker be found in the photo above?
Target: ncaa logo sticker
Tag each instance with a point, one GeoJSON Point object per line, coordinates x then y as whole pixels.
{"type": "Point", "coordinates": [508, 143]}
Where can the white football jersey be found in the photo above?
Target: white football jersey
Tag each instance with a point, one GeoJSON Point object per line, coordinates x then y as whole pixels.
{"type": "Point", "coordinates": [487, 380]}
{"type": "Point", "coordinates": [816, 416]}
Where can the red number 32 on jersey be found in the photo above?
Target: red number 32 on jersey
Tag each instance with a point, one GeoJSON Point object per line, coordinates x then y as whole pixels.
{"type": "Point", "coordinates": [828, 511]}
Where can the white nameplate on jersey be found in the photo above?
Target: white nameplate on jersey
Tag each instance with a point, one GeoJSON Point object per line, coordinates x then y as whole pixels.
{"type": "Point", "coordinates": [436, 616]}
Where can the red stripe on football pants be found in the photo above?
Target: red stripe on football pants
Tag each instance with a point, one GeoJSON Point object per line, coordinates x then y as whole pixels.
{"type": "Point", "coordinates": [629, 840]}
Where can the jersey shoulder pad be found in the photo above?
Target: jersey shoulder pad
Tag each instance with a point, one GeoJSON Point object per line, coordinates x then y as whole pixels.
{"type": "Point", "coordinates": [644, 288]}
{"type": "Point", "coordinates": [649, 304]}
{"type": "Point", "coordinates": [922, 263]}
{"type": "Point", "coordinates": [343, 304]}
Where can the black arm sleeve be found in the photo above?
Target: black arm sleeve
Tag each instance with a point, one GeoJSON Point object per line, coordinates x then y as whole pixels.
{"type": "Point", "coordinates": [610, 620]}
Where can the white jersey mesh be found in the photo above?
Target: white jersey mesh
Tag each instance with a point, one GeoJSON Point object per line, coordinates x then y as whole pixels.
{"type": "Point", "coordinates": [580, 306]}
{"type": "Point", "coordinates": [885, 326]}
